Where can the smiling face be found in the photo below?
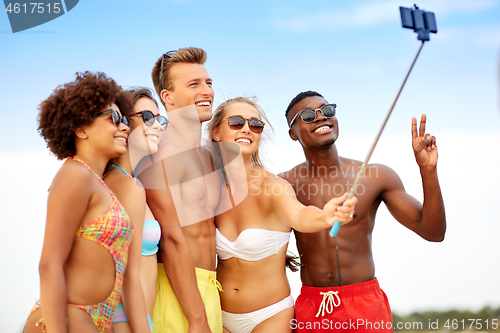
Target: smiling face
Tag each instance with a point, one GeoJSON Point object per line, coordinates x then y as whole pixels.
{"type": "Point", "coordinates": [143, 137]}
{"type": "Point", "coordinates": [191, 86]}
{"type": "Point", "coordinates": [103, 135]}
{"type": "Point", "coordinates": [247, 140]}
{"type": "Point", "coordinates": [321, 132]}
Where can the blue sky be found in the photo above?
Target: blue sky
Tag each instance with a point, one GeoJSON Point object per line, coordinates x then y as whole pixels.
{"type": "Point", "coordinates": [353, 52]}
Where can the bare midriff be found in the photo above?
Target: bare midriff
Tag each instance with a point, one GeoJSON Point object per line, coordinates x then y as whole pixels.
{"type": "Point", "coordinates": [252, 285]}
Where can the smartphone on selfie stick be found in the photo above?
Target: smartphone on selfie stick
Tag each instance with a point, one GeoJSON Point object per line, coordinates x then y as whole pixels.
{"type": "Point", "coordinates": [423, 23]}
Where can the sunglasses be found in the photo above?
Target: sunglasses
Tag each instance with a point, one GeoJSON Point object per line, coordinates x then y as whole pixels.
{"type": "Point", "coordinates": [309, 115]}
{"type": "Point", "coordinates": [116, 118]}
{"type": "Point", "coordinates": [237, 123]}
{"type": "Point", "coordinates": [149, 119]}
{"type": "Point", "coordinates": [168, 54]}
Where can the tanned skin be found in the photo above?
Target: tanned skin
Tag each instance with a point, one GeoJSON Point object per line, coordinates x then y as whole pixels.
{"type": "Point", "coordinates": [73, 269]}
{"type": "Point", "coordinates": [184, 244]}
{"type": "Point", "coordinates": [331, 174]}
{"type": "Point", "coordinates": [271, 205]}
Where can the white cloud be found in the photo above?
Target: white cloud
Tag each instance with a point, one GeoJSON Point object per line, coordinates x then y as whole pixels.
{"type": "Point", "coordinates": [374, 13]}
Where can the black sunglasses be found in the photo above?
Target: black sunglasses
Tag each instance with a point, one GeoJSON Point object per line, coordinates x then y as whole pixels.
{"type": "Point", "coordinates": [168, 54]}
{"type": "Point", "coordinates": [237, 123]}
{"type": "Point", "coordinates": [116, 118]}
{"type": "Point", "coordinates": [149, 119]}
{"type": "Point", "coordinates": [309, 115]}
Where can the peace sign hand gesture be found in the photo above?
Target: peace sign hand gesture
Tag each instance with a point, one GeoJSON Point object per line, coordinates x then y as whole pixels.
{"type": "Point", "coordinates": [424, 145]}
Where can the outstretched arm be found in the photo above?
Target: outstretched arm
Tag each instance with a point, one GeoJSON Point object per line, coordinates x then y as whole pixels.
{"type": "Point", "coordinates": [309, 219]}
{"type": "Point", "coordinates": [427, 220]}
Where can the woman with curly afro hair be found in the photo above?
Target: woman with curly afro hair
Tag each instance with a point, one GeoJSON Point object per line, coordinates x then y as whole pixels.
{"type": "Point", "coordinates": [87, 232]}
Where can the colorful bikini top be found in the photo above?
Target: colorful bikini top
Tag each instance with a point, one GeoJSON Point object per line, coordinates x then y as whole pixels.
{"type": "Point", "coordinates": [151, 232]}
{"type": "Point", "coordinates": [251, 244]}
{"type": "Point", "coordinates": [112, 229]}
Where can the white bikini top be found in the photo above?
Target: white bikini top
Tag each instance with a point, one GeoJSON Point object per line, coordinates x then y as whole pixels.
{"type": "Point", "coordinates": [251, 244]}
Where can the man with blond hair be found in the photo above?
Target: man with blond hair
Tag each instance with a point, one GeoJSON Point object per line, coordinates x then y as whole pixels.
{"type": "Point", "coordinates": [184, 197]}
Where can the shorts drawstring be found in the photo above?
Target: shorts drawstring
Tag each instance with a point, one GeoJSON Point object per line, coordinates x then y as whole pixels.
{"type": "Point", "coordinates": [214, 284]}
{"type": "Point", "coordinates": [328, 303]}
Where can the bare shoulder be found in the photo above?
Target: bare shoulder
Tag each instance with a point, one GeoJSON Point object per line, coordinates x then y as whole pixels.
{"type": "Point", "coordinates": [73, 175]}
{"type": "Point", "coordinates": [272, 179]}
{"type": "Point", "coordinates": [383, 170]}
{"type": "Point", "coordinates": [75, 169]}
{"type": "Point", "coordinates": [383, 174]}
{"type": "Point", "coordinates": [372, 171]}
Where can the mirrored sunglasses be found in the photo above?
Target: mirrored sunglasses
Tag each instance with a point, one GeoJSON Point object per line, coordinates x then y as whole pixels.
{"type": "Point", "coordinates": [309, 115]}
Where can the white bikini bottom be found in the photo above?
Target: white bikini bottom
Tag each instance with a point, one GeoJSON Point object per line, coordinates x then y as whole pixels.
{"type": "Point", "coordinates": [246, 322]}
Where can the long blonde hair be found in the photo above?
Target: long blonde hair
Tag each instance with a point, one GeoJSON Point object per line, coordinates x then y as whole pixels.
{"type": "Point", "coordinates": [220, 113]}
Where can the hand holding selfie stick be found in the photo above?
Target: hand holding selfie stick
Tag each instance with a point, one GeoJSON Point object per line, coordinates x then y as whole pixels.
{"type": "Point", "coordinates": [423, 23]}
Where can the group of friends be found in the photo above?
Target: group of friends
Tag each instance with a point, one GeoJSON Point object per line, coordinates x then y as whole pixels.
{"type": "Point", "coordinates": [151, 228]}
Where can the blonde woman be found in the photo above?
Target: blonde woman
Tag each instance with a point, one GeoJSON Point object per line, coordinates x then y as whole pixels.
{"type": "Point", "coordinates": [252, 237]}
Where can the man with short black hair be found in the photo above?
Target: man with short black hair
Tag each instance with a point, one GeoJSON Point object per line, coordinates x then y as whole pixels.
{"type": "Point", "coordinates": [341, 290]}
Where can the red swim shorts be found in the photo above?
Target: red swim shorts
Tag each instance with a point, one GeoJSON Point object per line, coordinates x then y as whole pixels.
{"type": "Point", "coordinates": [361, 307]}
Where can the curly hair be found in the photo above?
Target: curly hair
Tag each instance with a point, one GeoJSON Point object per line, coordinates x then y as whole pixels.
{"type": "Point", "coordinates": [76, 104]}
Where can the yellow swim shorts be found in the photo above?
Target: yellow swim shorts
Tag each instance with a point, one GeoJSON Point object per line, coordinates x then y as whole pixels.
{"type": "Point", "coordinates": [167, 313]}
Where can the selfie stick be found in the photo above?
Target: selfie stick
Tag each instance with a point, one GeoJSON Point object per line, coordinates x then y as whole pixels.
{"type": "Point", "coordinates": [423, 23]}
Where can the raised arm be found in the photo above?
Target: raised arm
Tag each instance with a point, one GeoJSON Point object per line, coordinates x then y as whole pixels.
{"type": "Point", "coordinates": [176, 255]}
{"type": "Point", "coordinates": [427, 220]}
{"type": "Point", "coordinates": [308, 219]}
{"type": "Point", "coordinates": [68, 201]}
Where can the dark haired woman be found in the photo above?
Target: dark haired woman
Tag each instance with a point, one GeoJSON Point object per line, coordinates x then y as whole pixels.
{"type": "Point", "coordinates": [88, 232]}
{"type": "Point", "coordinates": [252, 237]}
{"type": "Point", "coordinates": [146, 128]}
